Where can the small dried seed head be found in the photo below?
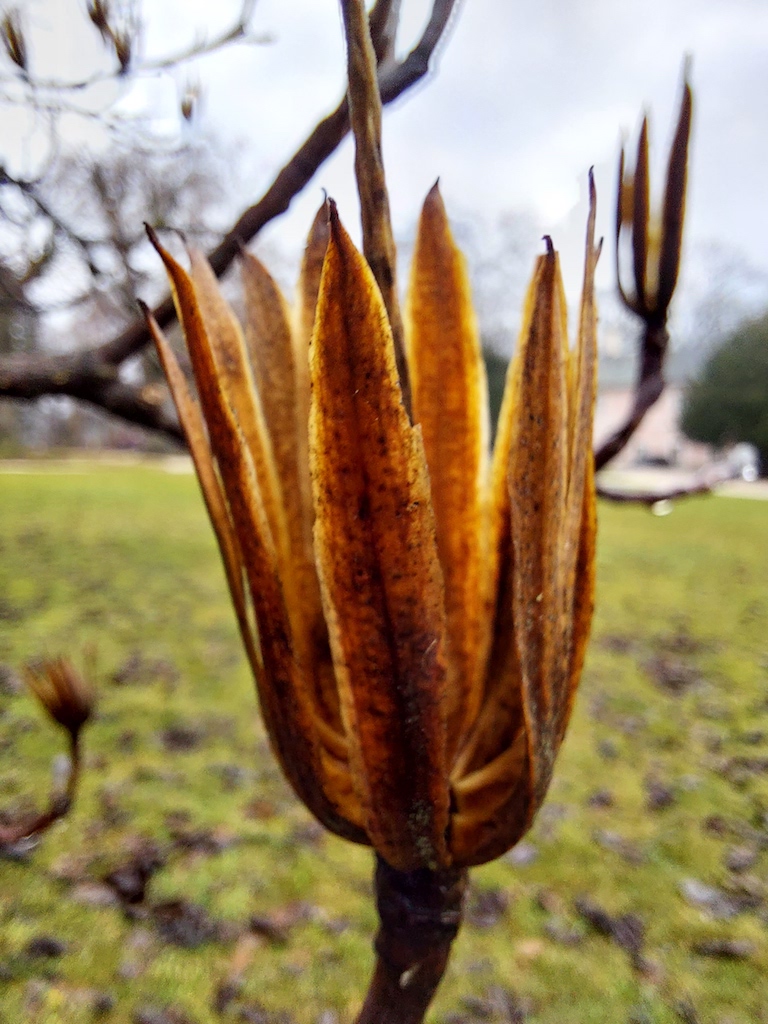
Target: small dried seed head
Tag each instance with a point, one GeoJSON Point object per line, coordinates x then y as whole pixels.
{"type": "Point", "coordinates": [13, 38]}
{"type": "Point", "coordinates": [62, 691]}
{"type": "Point", "coordinates": [123, 49]}
{"type": "Point", "coordinates": [98, 12]}
{"type": "Point", "coordinates": [189, 101]}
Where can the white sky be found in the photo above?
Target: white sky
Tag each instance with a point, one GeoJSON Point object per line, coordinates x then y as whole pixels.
{"type": "Point", "coordinates": [525, 97]}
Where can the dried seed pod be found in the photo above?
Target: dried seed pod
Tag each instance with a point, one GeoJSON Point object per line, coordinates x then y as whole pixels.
{"type": "Point", "coordinates": [62, 691]}
{"type": "Point", "coordinates": [123, 43]}
{"type": "Point", "coordinates": [417, 663]}
{"type": "Point", "coordinates": [98, 11]}
{"type": "Point", "coordinates": [13, 38]}
{"type": "Point", "coordinates": [655, 241]}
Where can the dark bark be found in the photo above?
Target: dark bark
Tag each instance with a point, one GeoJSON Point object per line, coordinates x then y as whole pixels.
{"type": "Point", "coordinates": [420, 913]}
{"type": "Point", "coordinates": [648, 390]}
{"type": "Point", "coordinates": [85, 377]}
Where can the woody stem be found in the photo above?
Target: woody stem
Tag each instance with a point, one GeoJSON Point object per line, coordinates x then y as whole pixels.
{"type": "Point", "coordinates": [420, 913]}
{"type": "Point", "coordinates": [59, 804]}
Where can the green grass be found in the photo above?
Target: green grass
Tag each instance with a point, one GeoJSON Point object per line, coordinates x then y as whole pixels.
{"type": "Point", "coordinates": [106, 563]}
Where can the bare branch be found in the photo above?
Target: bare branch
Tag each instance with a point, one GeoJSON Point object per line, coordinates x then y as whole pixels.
{"type": "Point", "coordinates": [365, 115]}
{"type": "Point", "coordinates": [651, 498]}
{"type": "Point", "coordinates": [93, 376]}
{"type": "Point", "coordinates": [289, 182]}
{"type": "Point", "coordinates": [648, 390]}
{"type": "Point", "coordinates": [60, 226]}
{"type": "Point", "coordinates": [236, 32]}
{"type": "Point", "coordinates": [89, 379]}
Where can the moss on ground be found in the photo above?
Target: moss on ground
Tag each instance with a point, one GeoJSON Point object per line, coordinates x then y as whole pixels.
{"type": "Point", "coordinates": [659, 807]}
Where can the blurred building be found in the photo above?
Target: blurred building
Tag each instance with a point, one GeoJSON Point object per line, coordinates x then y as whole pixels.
{"type": "Point", "coordinates": [658, 441]}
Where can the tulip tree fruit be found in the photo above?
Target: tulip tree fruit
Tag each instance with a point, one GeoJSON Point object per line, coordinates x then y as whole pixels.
{"type": "Point", "coordinates": [415, 609]}
{"type": "Point", "coordinates": [416, 618]}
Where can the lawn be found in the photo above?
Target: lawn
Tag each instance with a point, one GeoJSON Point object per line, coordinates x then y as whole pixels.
{"type": "Point", "coordinates": [640, 895]}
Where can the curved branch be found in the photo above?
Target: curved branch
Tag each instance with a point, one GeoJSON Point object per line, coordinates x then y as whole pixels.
{"type": "Point", "coordinates": [59, 804]}
{"type": "Point", "coordinates": [703, 485]}
{"type": "Point", "coordinates": [85, 377]}
{"type": "Point", "coordinates": [648, 390]}
{"type": "Point", "coordinates": [293, 178]}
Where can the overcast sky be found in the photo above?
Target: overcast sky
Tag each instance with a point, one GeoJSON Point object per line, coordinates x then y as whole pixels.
{"type": "Point", "coordinates": [523, 99]}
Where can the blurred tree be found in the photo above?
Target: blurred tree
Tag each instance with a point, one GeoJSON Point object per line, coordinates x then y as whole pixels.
{"type": "Point", "coordinates": [728, 402]}
{"type": "Point", "coordinates": [499, 255]}
{"type": "Point", "coordinates": [103, 374]}
{"type": "Point", "coordinates": [72, 246]}
{"type": "Point", "coordinates": [74, 255]}
{"type": "Point", "coordinates": [496, 368]}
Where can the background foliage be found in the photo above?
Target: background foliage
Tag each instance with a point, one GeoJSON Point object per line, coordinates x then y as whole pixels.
{"type": "Point", "coordinates": [728, 402]}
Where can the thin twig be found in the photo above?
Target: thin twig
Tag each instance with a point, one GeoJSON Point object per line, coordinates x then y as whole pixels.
{"type": "Point", "coordinates": [621, 496]}
{"type": "Point", "coordinates": [236, 32]}
{"type": "Point", "coordinates": [60, 226]}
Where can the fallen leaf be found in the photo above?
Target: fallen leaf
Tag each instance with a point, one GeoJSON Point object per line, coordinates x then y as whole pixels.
{"type": "Point", "coordinates": [139, 670]}
{"type": "Point", "coordinates": [714, 901]}
{"type": "Point", "coordinates": [740, 858]}
{"type": "Point", "coordinates": [659, 796]}
{"type": "Point", "coordinates": [130, 879]}
{"type": "Point", "coordinates": [673, 675]}
{"type": "Point", "coordinates": [182, 923]}
{"type": "Point", "coordinates": [727, 949]}
{"type": "Point", "coordinates": [486, 907]}
{"type": "Point", "coordinates": [627, 850]}
{"type": "Point", "coordinates": [45, 947]}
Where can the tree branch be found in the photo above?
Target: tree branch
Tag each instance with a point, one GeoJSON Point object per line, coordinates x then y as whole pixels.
{"type": "Point", "coordinates": [702, 485]}
{"type": "Point", "coordinates": [59, 805]}
{"type": "Point", "coordinates": [237, 32]}
{"type": "Point", "coordinates": [28, 189]}
{"type": "Point", "coordinates": [383, 21]}
{"type": "Point", "coordinates": [648, 390]}
{"type": "Point", "coordinates": [92, 375]}
{"type": "Point", "coordinates": [84, 377]}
